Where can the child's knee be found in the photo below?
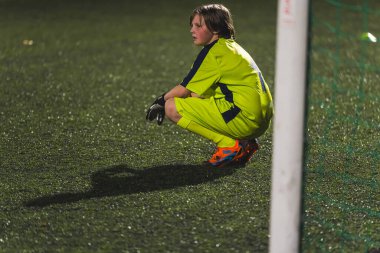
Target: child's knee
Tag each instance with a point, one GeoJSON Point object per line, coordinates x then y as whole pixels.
{"type": "Point", "coordinates": [169, 104]}
{"type": "Point", "coordinates": [171, 110]}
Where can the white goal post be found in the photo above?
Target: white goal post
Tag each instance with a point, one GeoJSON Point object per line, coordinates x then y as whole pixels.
{"type": "Point", "coordinates": [288, 131]}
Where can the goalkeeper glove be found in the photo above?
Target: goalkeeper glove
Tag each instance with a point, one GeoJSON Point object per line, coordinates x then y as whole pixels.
{"type": "Point", "coordinates": [157, 110]}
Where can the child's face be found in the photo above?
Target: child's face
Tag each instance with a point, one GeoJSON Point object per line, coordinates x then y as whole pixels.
{"type": "Point", "coordinates": [201, 34]}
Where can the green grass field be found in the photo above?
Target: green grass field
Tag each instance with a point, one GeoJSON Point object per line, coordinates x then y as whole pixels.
{"type": "Point", "coordinates": [82, 171]}
{"type": "Point", "coordinates": [342, 191]}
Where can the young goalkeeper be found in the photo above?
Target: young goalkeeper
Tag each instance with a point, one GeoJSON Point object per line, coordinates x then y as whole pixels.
{"type": "Point", "coordinates": [224, 97]}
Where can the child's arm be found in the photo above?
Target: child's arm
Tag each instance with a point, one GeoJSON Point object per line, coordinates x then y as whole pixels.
{"type": "Point", "coordinates": [195, 95]}
{"type": "Point", "coordinates": [157, 109]}
{"type": "Point", "coordinates": [178, 91]}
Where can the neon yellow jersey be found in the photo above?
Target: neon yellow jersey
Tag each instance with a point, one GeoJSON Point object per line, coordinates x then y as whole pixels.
{"type": "Point", "coordinates": [225, 71]}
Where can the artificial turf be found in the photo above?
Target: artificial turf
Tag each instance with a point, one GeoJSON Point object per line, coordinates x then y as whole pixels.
{"type": "Point", "coordinates": [82, 171]}
{"type": "Point", "coordinates": [342, 174]}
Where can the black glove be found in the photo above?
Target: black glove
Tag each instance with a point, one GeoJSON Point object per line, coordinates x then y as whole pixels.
{"type": "Point", "coordinates": [157, 110]}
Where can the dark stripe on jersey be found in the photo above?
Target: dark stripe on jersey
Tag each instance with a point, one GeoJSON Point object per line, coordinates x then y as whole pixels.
{"type": "Point", "coordinates": [230, 114]}
{"type": "Point", "coordinates": [234, 111]}
{"type": "Point", "coordinates": [198, 61]}
{"type": "Point", "coordinates": [227, 93]}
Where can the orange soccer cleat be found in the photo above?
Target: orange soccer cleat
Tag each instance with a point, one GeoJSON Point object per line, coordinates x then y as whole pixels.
{"type": "Point", "coordinates": [227, 156]}
{"type": "Point", "coordinates": [237, 155]}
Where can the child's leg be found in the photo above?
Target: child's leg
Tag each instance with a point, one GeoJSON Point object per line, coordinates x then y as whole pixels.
{"type": "Point", "coordinates": [220, 140]}
{"type": "Point", "coordinates": [229, 151]}
{"type": "Point", "coordinates": [202, 116]}
{"type": "Point", "coordinates": [171, 111]}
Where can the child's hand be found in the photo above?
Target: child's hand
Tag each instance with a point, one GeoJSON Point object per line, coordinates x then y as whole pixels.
{"type": "Point", "coordinates": [157, 110]}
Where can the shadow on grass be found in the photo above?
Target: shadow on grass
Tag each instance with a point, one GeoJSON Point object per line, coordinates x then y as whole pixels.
{"type": "Point", "coordinates": [122, 180]}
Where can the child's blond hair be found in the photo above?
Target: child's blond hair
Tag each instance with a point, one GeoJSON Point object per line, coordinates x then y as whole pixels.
{"type": "Point", "coordinates": [217, 18]}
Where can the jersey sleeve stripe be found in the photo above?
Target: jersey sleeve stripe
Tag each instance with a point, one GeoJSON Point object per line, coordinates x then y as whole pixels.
{"type": "Point", "coordinates": [197, 63]}
{"type": "Point", "coordinates": [262, 82]}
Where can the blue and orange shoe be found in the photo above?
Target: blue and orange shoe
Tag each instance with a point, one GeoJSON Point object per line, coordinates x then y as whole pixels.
{"type": "Point", "coordinates": [227, 156]}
